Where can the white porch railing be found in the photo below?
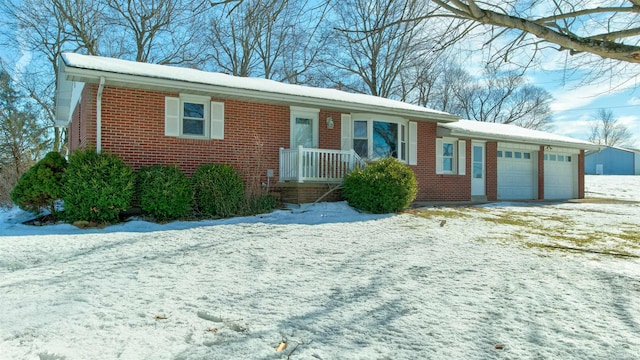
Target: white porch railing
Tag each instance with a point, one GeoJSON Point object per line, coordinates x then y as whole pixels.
{"type": "Point", "coordinates": [317, 165]}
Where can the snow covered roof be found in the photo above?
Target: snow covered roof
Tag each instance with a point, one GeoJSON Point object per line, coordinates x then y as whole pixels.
{"type": "Point", "coordinates": [510, 133]}
{"type": "Point", "coordinates": [89, 69]}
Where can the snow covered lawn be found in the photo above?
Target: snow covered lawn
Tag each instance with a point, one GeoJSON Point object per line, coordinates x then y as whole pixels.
{"type": "Point", "coordinates": [502, 281]}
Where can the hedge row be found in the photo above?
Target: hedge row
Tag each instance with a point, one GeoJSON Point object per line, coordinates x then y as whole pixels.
{"type": "Point", "coordinates": [99, 187]}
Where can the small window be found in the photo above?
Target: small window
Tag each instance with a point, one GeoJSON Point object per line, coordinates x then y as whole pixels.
{"type": "Point", "coordinates": [403, 143]}
{"type": "Point", "coordinates": [499, 153]}
{"type": "Point", "coordinates": [568, 158]}
{"type": "Point", "coordinates": [527, 156]}
{"type": "Point", "coordinates": [561, 158]}
{"type": "Point", "coordinates": [447, 156]}
{"type": "Point", "coordinates": [360, 141]}
{"type": "Point", "coordinates": [508, 154]}
{"type": "Point", "coordinates": [517, 155]}
{"type": "Point", "coordinates": [193, 118]}
{"type": "Point", "coordinates": [552, 157]}
{"type": "Point", "coordinates": [546, 157]}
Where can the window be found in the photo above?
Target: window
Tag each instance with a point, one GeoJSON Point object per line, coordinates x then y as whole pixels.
{"type": "Point", "coordinates": [360, 140]}
{"type": "Point", "coordinates": [193, 116]}
{"type": "Point", "coordinates": [568, 158]}
{"type": "Point", "coordinates": [376, 136]}
{"type": "Point", "coordinates": [561, 158]}
{"type": "Point", "coordinates": [385, 139]}
{"type": "Point", "coordinates": [447, 156]}
{"type": "Point", "coordinates": [508, 154]}
{"type": "Point", "coordinates": [526, 155]}
{"type": "Point", "coordinates": [499, 153]}
{"type": "Point", "coordinates": [403, 142]}
{"type": "Point", "coordinates": [517, 155]}
{"type": "Point", "coordinates": [451, 155]}
{"type": "Point", "coordinates": [552, 157]}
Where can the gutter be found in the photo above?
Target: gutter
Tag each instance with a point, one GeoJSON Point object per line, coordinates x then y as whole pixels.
{"type": "Point", "coordinates": [99, 116]}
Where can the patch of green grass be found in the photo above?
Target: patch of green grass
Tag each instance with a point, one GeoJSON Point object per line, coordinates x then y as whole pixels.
{"type": "Point", "coordinates": [509, 220]}
{"type": "Point", "coordinates": [439, 213]}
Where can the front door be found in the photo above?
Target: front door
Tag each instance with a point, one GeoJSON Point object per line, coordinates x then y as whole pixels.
{"type": "Point", "coordinates": [478, 184]}
{"type": "Point", "coordinates": [302, 133]}
{"type": "Point", "coordinates": [304, 127]}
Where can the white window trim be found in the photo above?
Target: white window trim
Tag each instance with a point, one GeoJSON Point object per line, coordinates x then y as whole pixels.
{"type": "Point", "coordinates": [370, 118]}
{"type": "Point", "coordinates": [459, 157]}
{"type": "Point", "coordinates": [195, 99]}
{"type": "Point", "coordinates": [304, 113]}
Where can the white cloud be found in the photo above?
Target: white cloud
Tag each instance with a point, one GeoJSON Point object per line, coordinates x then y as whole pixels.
{"type": "Point", "coordinates": [634, 101]}
{"type": "Point", "coordinates": [567, 98]}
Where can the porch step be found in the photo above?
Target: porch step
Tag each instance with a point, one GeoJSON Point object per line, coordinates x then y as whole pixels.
{"type": "Point", "coordinates": [479, 199]}
{"type": "Point", "coordinates": [302, 193]}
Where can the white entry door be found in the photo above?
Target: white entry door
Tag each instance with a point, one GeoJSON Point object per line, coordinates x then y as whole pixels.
{"type": "Point", "coordinates": [478, 182]}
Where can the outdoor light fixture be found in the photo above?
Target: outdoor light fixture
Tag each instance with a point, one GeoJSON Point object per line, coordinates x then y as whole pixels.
{"type": "Point", "coordinates": [329, 122]}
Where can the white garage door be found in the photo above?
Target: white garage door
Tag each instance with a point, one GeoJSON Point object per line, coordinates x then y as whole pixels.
{"type": "Point", "coordinates": [516, 170]}
{"type": "Point", "coordinates": [560, 176]}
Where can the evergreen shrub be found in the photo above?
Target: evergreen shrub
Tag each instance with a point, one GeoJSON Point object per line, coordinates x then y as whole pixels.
{"type": "Point", "coordinates": [218, 190]}
{"type": "Point", "coordinates": [96, 187]}
{"type": "Point", "coordinates": [41, 186]}
{"type": "Point", "coordinates": [164, 192]}
{"type": "Point", "coordinates": [383, 186]}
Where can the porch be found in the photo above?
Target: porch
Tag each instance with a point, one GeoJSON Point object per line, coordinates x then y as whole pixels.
{"type": "Point", "coordinates": [304, 165]}
{"type": "Point", "coordinates": [308, 175]}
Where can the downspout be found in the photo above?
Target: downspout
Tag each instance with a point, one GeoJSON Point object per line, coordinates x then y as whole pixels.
{"type": "Point", "coordinates": [99, 116]}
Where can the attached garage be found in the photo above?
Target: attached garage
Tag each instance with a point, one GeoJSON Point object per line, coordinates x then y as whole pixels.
{"type": "Point", "coordinates": [517, 172]}
{"type": "Point", "coordinates": [522, 164]}
{"type": "Point", "coordinates": [560, 174]}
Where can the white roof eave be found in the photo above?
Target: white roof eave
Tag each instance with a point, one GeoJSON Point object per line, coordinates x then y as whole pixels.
{"type": "Point", "coordinates": [70, 73]}
{"type": "Point", "coordinates": [520, 139]}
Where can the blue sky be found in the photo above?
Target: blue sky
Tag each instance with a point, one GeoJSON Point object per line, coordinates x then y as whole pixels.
{"type": "Point", "coordinates": [576, 100]}
{"type": "Point", "coordinates": [575, 105]}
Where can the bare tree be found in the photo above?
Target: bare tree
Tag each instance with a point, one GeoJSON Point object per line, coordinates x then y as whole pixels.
{"type": "Point", "coordinates": [159, 31]}
{"type": "Point", "coordinates": [504, 97]}
{"type": "Point", "coordinates": [273, 39]}
{"type": "Point", "coordinates": [22, 137]}
{"type": "Point", "coordinates": [607, 29]}
{"type": "Point", "coordinates": [372, 55]}
{"type": "Point", "coordinates": [607, 130]}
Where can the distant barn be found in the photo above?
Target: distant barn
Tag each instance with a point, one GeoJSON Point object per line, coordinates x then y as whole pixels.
{"type": "Point", "coordinates": [612, 161]}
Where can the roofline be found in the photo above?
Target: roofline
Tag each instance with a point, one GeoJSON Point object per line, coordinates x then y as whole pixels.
{"type": "Point", "coordinates": [69, 74]}
{"type": "Point", "coordinates": [515, 138]}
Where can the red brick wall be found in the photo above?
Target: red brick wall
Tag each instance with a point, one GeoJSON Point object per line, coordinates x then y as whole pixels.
{"type": "Point", "coordinates": [82, 132]}
{"type": "Point", "coordinates": [329, 138]}
{"type": "Point", "coordinates": [438, 187]}
{"type": "Point", "coordinates": [133, 128]}
{"type": "Point", "coordinates": [492, 170]}
{"type": "Point", "coordinates": [581, 175]}
{"type": "Point", "coordinates": [541, 173]}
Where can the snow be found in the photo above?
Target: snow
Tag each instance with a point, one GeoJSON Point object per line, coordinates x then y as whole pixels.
{"type": "Point", "coordinates": [119, 66]}
{"type": "Point", "coordinates": [441, 282]}
{"type": "Point", "coordinates": [513, 133]}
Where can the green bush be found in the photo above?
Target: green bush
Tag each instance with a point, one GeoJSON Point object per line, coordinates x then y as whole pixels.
{"type": "Point", "coordinates": [384, 186]}
{"type": "Point", "coordinates": [41, 186]}
{"type": "Point", "coordinates": [96, 187]}
{"type": "Point", "coordinates": [164, 192]}
{"type": "Point", "coordinates": [218, 190]}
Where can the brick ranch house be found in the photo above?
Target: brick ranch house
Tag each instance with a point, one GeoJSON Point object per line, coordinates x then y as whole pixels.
{"type": "Point", "coordinates": [302, 140]}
